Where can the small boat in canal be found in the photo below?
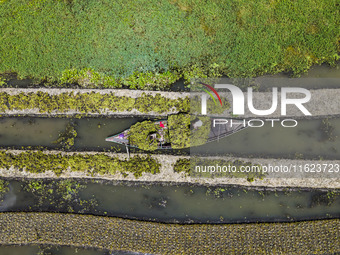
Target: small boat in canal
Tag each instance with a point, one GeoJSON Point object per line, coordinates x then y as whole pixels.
{"type": "Point", "coordinates": [160, 136]}
{"type": "Point", "coordinates": [177, 132]}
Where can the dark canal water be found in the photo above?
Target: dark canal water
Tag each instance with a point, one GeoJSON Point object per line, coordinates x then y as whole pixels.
{"type": "Point", "coordinates": [308, 138]}
{"type": "Point", "coordinates": [171, 203]}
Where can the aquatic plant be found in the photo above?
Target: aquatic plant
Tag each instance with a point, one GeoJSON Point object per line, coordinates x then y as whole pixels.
{"type": "Point", "coordinates": [89, 78]}
{"type": "Point", "coordinates": [3, 81]}
{"type": "Point", "coordinates": [217, 192]}
{"type": "Point", "coordinates": [85, 103]}
{"type": "Point", "coordinates": [327, 130]}
{"type": "Point", "coordinates": [4, 188]}
{"type": "Point", "coordinates": [182, 165]}
{"type": "Point", "coordinates": [199, 135]}
{"type": "Point", "coordinates": [150, 80]}
{"type": "Point", "coordinates": [66, 138]}
{"type": "Point", "coordinates": [212, 108]}
{"type": "Point", "coordinates": [58, 194]}
{"type": "Point", "coordinates": [179, 130]}
{"type": "Point", "coordinates": [324, 198]}
{"type": "Point", "coordinates": [183, 132]}
{"type": "Point", "coordinates": [139, 135]}
{"type": "Point", "coordinates": [179, 133]}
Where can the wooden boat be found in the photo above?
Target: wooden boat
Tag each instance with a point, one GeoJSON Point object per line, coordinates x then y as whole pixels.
{"type": "Point", "coordinates": [159, 137]}
{"type": "Point", "coordinates": [163, 134]}
{"type": "Point", "coordinates": [221, 131]}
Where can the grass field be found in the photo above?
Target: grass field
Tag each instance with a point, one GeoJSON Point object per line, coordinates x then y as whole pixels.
{"type": "Point", "coordinates": [46, 38]}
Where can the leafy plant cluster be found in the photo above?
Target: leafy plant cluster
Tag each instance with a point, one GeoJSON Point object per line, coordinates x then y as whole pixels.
{"type": "Point", "coordinates": [139, 135]}
{"type": "Point", "coordinates": [152, 43]}
{"type": "Point", "coordinates": [188, 167]}
{"type": "Point", "coordinates": [58, 195]}
{"type": "Point", "coordinates": [212, 108]}
{"type": "Point", "coordinates": [4, 188]}
{"type": "Point", "coordinates": [89, 78]}
{"type": "Point", "coordinates": [66, 138]}
{"type": "Point", "coordinates": [39, 162]}
{"type": "Point", "coordinates": [200, 135]}
{"type": "Point", "coordinates": [179, 130]}
{"type": "Point", "coordinates": [324, 198]}
{"type": "Point", "coordinates": [91, 102]}
{"type": "Point", "coordinates": [149, 80]}
{"type": "Point", "coordinates": [183, 134]}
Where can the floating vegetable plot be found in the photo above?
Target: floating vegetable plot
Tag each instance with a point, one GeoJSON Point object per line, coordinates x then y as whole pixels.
{"type": "Point", "coordinates": [179, 126]}
{"type": "Point", "coordinates": [188, 130]}
{"type": "Point", "coordinates": [148, 135]}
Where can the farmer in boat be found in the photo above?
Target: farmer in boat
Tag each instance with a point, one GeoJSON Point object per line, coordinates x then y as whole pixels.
{"type": "Point", "coordinates": [161, 139]}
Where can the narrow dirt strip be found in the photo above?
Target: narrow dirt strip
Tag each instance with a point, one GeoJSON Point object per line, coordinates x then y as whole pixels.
{"type": "Point", "coordinates": [167, 173]}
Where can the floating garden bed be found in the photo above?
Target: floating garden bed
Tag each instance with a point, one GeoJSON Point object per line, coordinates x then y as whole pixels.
{"type": "Point", "coordinates": [91, 103]}
{"type": "Point", "coordinates": [316, 237]}
{"type": "Point", "coordinates": [39, 162]}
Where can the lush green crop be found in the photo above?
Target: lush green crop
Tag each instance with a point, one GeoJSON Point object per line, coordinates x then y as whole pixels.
{"type": "Point", "coordinates": [91, 103]}
{"type": "Point", "coordinates": [182, 132]}
{"type": "Point", "coordinates": [66, 138]}
{"type": "Point", "coordinates": [39, 162]}
{"type": "Point", "coordinates": [139, 135]}
{"type": "Point", "coordinates": [153, 43]}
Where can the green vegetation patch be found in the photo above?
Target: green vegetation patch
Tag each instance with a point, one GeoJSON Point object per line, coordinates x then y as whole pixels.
{"type": "Point", "coordinates": [213, 168]}
{"type": "Point", "coordinates": [4, 188]}
{"type": "Point", "coordinates": [199, 134]}
{"type": "Point", "coordinates": [139, 135]}
{"type": "Point", "coordinates": [89, 78]}
{"type": "Point", "coordinates": [90, 103]}
{"type": "Point", "coordinates": [39, 162]}
{"type": "Point", "coordinates": [143, 40]}
{"type": "Point", "coordinates": [324, 198]}
{"type": "Point", "coordinates": [184, 134]}
{"type": "Point", "coordinates": [179, 130]}
{"type": "Point", "coordinates": [66, 138]}
{"type": "Point", "coordinates": [212, 108]}
{"type": "Point", "coordinates": [57, 194]}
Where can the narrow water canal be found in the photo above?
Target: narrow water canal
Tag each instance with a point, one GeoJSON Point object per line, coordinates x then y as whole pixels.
{"type": "Point", "coordinates": [309, 139]}
{"type": "Point", "coordinates": [171, 203]}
